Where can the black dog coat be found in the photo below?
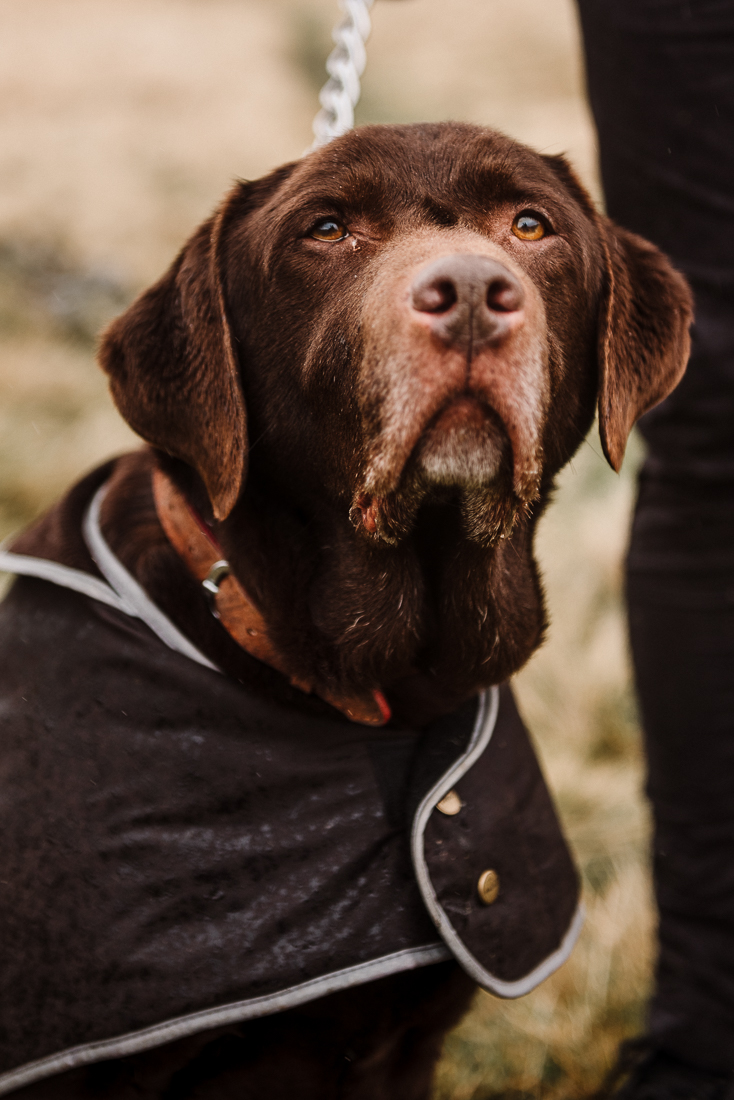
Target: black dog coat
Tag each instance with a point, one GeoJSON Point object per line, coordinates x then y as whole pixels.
{"type": "Point", "coordinates": [178, 854]}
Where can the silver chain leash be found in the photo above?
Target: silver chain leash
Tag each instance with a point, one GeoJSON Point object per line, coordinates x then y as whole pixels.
{"type": "Point", "coordinates": [345, 64]}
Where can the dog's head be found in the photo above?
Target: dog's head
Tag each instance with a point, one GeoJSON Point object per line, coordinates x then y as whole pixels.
{"type": "Point", "coordinates": [410, 307]}
{"type": "Point", "coordinates": [410, 314]}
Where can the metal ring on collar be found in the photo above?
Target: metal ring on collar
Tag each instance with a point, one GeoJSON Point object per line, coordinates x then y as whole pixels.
{"type": "Point", "coordinates": [212, 581]}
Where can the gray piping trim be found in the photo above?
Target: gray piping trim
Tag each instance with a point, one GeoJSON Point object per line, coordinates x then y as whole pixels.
{"type": "Point", "coordinates": [128, 589]}
{"type": "Point", "coordinates": [62, 575]}
{"type": "Point", "coordinates": [411, 958]}
{"type": "Point", "coordinates": [481, 736]}
{"type": "Point", "coordinates": [121, 591]}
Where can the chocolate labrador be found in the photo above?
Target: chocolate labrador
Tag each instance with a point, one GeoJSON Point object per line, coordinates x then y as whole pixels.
{"type": "Point", "coordinates": [358, 382]}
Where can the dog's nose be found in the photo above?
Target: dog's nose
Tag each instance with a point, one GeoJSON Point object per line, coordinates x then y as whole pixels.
{"type": "Point", "coordinates": [471, 299]}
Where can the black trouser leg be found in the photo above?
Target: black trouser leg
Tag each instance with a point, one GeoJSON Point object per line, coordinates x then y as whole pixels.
{"type": "Point", "coordinates": [661, 84]}
{"type": "Point", "coordinates": [681, 608]}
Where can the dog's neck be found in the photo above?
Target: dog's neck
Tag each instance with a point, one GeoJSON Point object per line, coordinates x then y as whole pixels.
{"type": "Point", "coordinates": [430, 621]}
{"type": "Point", "coordinates": [435, 609]}
{"type": "Point", "coordinates": [195, 542]}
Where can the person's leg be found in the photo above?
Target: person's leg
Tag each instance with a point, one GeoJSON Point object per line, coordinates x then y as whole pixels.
{"type": "Point", "coordinates": [681, 608]}
{"type": "Point", "coordinates": [661, 83]}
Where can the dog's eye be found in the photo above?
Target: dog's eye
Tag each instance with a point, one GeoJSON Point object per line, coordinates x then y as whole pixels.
{"type": "Point", "coordinates": [329, 229]}
{"type": "Point", "coordinates": [528, 227]}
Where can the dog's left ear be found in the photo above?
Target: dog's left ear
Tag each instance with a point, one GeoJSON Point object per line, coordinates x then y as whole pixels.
{"type": "Point", "coordinates": [643, 336]}
{"type": "Point", "coordinates": [173, 371]}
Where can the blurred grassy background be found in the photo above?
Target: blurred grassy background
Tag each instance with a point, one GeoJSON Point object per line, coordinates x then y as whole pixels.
{"type": "Point", "coordinates": [121, 124]}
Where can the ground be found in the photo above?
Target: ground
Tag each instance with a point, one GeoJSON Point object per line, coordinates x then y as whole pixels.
{"type": "Point", "coordinates": [121, 124]}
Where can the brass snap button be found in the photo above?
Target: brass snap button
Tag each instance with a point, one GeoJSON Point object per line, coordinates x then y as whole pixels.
{"type": "Point", "coordinates": [488, 887]}
{"type": "Point", "coordinates": [450, 804]}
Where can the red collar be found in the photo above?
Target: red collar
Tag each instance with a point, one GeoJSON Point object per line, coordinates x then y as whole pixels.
{"type": "Point", "coordinates": [195, 543]}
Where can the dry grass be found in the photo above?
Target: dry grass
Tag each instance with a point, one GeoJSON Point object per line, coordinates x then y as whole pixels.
{"type": "Point", "coordinates": [121, 124]}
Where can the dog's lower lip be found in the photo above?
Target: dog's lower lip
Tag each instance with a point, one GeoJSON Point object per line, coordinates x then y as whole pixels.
{"type": "Point", "coordinates": [465, 445]}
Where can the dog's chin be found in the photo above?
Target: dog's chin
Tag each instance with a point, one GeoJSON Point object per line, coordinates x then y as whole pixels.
{"type": "Point", "coordinates": [470, 460]}
{"type": "Point", "coordinates": [461, 456]}
{"type": "Point", "coordinates": [464, 456]}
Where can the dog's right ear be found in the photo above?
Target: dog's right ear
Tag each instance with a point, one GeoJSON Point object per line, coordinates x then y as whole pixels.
{"type": "Point", "coordinates": [173, 371]}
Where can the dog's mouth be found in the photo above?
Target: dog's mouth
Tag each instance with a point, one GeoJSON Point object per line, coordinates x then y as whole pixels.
{"type": "Point", "coordinates": [463, 455]}
{"type": "Point", "coordinates": [464, 446]}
